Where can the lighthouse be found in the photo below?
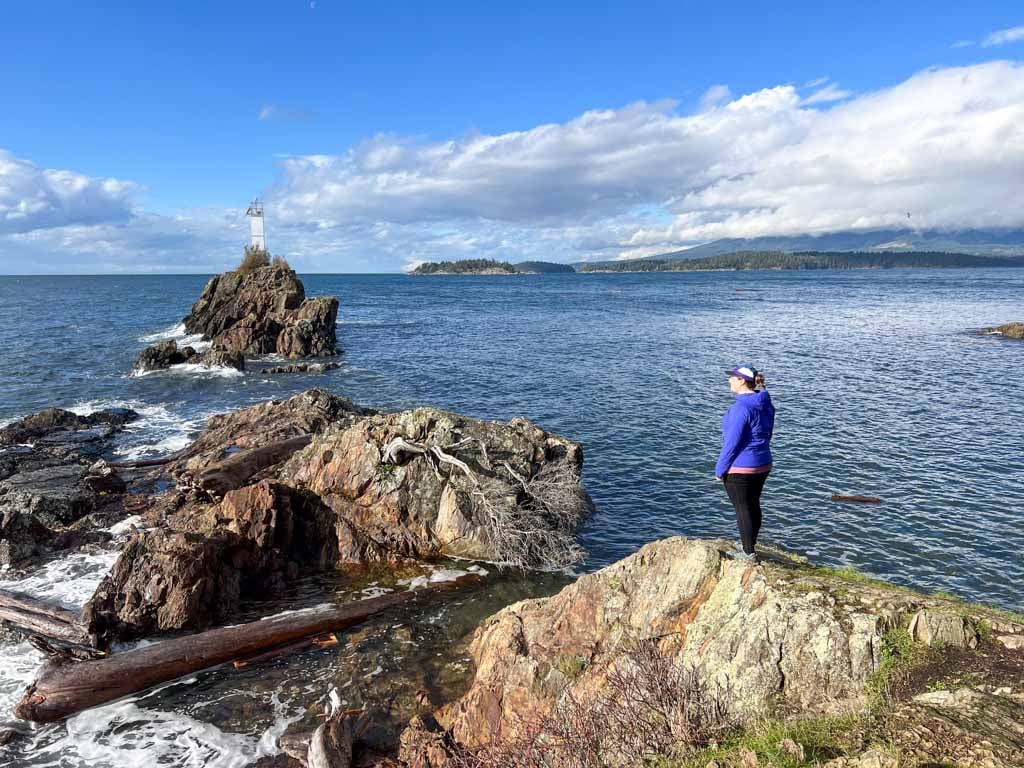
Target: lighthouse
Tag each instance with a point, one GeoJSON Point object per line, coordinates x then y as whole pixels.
{"type": "Point", "coordinates": [258, 238]}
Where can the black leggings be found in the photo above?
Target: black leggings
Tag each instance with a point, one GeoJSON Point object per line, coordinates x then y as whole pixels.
{"type": "Point", "coordinates": [745, 494]}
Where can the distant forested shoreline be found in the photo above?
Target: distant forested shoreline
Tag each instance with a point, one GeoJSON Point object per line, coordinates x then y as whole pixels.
{"type": "Point", "coordinates": [740, 260]}
{"type": "Point", "coordinates": [751, 260]}
{"type": "Point", "coordinates": [489, 267]}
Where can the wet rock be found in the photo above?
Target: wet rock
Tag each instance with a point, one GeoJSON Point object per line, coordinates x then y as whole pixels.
{"type": "Point", "coordinates": [221, 357]}
{"type": "Point", "coordinates": [163, 355]}
{"type": "Point", "coordinates": [49, 487]}
{"type": "Point", "coordinates": [311, 330]}
{"type": "Point", "coordinates": [60, 425]}
{"type": "Point", "coordinates": [1008, 330]}
{"type": "Point", "coordinates": [302, 368]}
{"type": "Point", "coordinates": [265, 311]}
{"type": "Point", "coordinates": [277, 761]}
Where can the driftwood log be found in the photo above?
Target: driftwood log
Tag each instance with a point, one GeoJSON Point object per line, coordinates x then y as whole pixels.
{"type": "Point", "coordinates": [63, 690]}
{"type": "Point", "coordinates": [42, 618]}
{"type": "Point", "coordinates": [858, 499]}
{"type": "Point", "coordinates": [236, 470]}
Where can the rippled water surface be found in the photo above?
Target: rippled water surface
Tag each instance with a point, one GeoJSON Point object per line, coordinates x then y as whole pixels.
{"type": "Point", "coordinates": [879, 384]}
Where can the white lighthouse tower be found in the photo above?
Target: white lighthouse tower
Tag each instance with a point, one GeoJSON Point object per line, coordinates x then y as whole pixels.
{"type": "Point", "coordinates": [258, 238]}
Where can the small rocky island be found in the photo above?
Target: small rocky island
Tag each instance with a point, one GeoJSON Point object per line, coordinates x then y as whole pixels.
{"type": "Point", "coordinates": [490, 267]}
{"type": "Point", "coordinates": [1007, 331]}
{"type": "Point", "coordinates": [258, 309]}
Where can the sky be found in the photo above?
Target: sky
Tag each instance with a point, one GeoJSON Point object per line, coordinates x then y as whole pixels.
{"type": "Point", "coordinates": [132, 136]}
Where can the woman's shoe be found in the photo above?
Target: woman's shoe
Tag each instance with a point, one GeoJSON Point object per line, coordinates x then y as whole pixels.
{"type": "Point", "coordinates": [744, 557]}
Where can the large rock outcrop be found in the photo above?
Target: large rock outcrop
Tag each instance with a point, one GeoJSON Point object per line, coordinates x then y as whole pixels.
{"type": "Point", "coordinates": [50, 480]}
{"type": "Point", "coordinates": [315, 481]}
{"type": "Point", "coordinates": [263, 311]}
{"type": "Point", "coordinates": [253, 311]}
{"type": "Point", "coordinates": [780, 636]}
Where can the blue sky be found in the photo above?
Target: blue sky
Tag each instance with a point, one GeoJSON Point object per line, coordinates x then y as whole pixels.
{"type": "Point", "coordinates": [385, 133]}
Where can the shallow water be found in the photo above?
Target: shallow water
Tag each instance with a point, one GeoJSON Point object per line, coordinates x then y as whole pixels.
{"type": "Point", "coordinates": [880, 387]}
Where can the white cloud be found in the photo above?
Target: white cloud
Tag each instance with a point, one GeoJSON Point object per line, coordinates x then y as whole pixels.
{"type": "Point", "coordinates": [962, 44]}
{"type": "Point", "coordinates": [36, 198]}
{"type": "Point", "coordinates": [713, 97]}
{"type": "Point", "coordinates": [946, 144]}
{"type": "Point", "coordinates": [1004, 36]}
{"type": "Point", "coordinates": [267, 111]}
{"type": "Point", "coordinates": [829, 93]}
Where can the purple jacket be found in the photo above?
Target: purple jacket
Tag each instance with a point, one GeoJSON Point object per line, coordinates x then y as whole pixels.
{"type": "Point", "coordinates": [747, 433]}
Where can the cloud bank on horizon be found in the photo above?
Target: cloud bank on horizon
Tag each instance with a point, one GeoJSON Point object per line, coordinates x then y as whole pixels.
{"type": "Point", "coordinates": [946, 145]}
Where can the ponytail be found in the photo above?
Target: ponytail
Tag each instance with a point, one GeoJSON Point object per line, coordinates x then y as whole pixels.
{"type": "Point", "coordinates": [759, 381]}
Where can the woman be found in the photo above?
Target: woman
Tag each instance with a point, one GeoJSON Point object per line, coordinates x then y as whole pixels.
{"type": "Point", "coordinates": [746, 457]}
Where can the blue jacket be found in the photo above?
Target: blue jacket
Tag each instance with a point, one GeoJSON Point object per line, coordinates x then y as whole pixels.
{"type": "Point", "coordinates": [747, 433]}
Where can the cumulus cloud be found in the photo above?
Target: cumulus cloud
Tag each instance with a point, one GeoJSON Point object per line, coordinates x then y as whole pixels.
{"type": "Point", "coordinates": [946, 144]}
{"type": "Point", "coordinates": [34, 198]}
{"type": "Point", "coordinates": [1004, 36]}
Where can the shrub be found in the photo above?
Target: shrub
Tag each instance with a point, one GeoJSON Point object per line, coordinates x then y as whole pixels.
{"type": "Point", "coordinates": [252, 260]}
{"type": "Point", "coordinates": [651, 708]}
{"type": "Point", "coordinates": [280, 261]}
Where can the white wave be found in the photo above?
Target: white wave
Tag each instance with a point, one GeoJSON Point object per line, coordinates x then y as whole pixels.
{"type": "Point", "coordinates": [177, 333]}
{"type": "Point", "coordinates": [174, 332]}
{"type": "Point", "coordinates": [126, 525]}
{"type": "Point", "coordinates": [157, 432]}
{"type": "Point", "coordinates": [18, 670]}
{"type": "Point", "coordinates": [126, 735]}
{"type": "Point", "coordinates": [194, 369]}
{"type": "Point", "coordinates": [69, 580]}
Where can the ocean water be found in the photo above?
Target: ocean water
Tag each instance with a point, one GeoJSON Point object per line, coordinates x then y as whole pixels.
{"type": "Point", "coordinates": [880, 385]}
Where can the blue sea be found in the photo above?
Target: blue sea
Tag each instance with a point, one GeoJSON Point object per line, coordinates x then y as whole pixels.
{"type": "Point", "coordinates": [881, 386]}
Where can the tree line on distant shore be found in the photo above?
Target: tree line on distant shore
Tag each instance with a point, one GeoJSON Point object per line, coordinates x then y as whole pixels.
{"type": "Point", "coordinates": [807, 260]}
{"type": "Point", "coordinates": [740, 260]}
{"type": "Point", "coordinates": [489, 266]}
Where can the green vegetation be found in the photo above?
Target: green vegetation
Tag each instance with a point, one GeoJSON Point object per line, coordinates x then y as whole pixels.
{"type": "Point", "coordinates": [571, 666]}
{"type": "Point", "coordinates": [744, 260]}
{"type": "Point", "coordinates": [543, 267]}
{"type": "Point", "coordinates": [465, 267]}
{"type": "Point", "coordinates": [898, 653]}
{"type": "Point", "coordinates": [817, 740]}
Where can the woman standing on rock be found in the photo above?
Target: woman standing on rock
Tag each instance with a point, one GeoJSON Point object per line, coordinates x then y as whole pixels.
{"type": "Point", "coordinates": [746, 457]}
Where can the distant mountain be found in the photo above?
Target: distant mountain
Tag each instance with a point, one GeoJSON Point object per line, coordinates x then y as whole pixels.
{"type": "Point", "coordinates": [981, 242]}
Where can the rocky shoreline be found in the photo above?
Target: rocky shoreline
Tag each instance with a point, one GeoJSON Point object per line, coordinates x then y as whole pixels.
{"type": "Point", "coordinates": [315, 482]}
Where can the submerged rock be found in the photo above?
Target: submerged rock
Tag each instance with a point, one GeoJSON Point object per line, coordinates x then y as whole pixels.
{"type": "Point", "coordinates": [302, 368]}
